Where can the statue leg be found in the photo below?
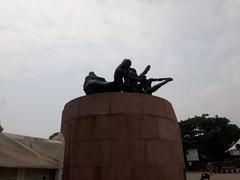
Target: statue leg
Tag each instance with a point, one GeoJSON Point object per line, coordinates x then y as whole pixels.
{"type": "Point", "coordinates": [156, 87]}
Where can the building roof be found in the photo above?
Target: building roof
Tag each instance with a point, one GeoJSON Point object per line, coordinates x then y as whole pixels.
{"type": "Point", "coordinates": [30, 152]}
{"type": "Point", "coordinates": [234, 150]}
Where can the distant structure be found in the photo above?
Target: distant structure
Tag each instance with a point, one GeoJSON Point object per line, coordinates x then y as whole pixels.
{"type": "Point", "coordinates": [126, 79]}
{"type": "Point", "coordinates": [25, 157]}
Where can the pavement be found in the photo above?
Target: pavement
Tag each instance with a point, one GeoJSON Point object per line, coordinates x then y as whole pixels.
{"type": "Point", "coordinates": [197, 175]}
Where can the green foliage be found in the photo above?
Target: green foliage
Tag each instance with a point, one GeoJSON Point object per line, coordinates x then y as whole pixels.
{"type": "Point", "coordinates": [211, 135]}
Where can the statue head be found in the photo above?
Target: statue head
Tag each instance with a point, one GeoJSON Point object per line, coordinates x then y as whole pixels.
{"type": "Point", "coordinates": [92, 74]}
{"type": "Point", "coordinates": [133, 71]}
{"type": "Point", "coordinates": [126, 63]}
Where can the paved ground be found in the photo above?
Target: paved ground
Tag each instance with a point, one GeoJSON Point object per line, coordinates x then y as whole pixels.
{"type": "Point", "coordinates": [196, 176]}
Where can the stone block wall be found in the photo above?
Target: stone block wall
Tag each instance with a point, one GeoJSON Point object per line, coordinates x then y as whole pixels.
{"type": "Point", "coordinates": [121, 136]}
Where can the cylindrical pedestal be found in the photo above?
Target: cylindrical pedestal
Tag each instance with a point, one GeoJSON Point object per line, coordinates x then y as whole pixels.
{"type": "Point", "coordinates": [121, 136]}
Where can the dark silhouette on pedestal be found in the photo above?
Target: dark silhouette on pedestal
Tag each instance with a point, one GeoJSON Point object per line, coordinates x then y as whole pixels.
{"type": "Point", "coordinates": [145, 85]}
{"type": "Point", "coordinates": [95, 84]}
{"type": "Point", "coordinates": [126, 79]}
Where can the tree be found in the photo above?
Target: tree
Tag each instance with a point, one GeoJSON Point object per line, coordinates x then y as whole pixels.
{"type": "Point", "coordinates": [212, 136]}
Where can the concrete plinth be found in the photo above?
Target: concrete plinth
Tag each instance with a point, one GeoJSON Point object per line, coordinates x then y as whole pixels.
{"type": "Point", "coordinates": [121, 136]}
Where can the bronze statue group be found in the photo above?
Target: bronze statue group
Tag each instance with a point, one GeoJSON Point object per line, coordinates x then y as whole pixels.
{"type": "Point", "coordinates": [126, 79]}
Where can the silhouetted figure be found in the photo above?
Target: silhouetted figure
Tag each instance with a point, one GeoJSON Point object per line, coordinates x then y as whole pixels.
{"type": "Point", "coordinates": [95, 84]}
{"type": "Point", "coordinates": [126, 79]}
{"type": "Point", "coordinates": [122, 72]}
{"type": "Point", "coordinates": [146, 84]}
{"type": "Point", "coordinates": [131, 83]}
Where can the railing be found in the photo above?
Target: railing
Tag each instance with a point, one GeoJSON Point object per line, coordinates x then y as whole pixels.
{"type": "Point", "coordinates": [226, 168]}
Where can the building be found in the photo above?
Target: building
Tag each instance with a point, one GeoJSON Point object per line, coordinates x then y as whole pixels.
{"type": "Point", "coordinates": [234, 150]}
{"type": "Point", "coordinates": [31, 158]}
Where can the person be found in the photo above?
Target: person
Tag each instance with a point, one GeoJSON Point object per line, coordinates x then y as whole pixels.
{"type": "Point", "coordinates": [210, 168]}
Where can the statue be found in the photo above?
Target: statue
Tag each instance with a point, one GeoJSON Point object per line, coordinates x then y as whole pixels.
{"type": "Point", "coordinates": [126, 79]}
{"type": "Point", "coordinates": [145, 85]}
{"type": "Point", "coordinates": [95, 84]}
{"type": "Point", "coordinates": [123, 77]}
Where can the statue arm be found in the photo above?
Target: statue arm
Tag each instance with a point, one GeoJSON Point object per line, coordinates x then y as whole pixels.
{"type": "Point", "coordinates": [145, 71]}
{"type": "Point", "coordinates": [160, 79]}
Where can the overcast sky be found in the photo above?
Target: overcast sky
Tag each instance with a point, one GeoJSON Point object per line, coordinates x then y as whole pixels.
{"type": "Point", "coordinates": [47, 47]}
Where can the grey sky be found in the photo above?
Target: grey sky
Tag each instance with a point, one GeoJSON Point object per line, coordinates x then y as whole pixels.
{"type": "Point", "coordinates": [47, 48]}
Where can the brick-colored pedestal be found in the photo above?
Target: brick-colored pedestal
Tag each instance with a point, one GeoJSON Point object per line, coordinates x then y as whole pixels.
{"type": "Point", "coordinates": [121, 136]}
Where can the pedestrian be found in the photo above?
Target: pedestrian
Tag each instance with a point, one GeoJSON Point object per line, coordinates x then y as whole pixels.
{"type": "Point", "coordinates": [210, 168]}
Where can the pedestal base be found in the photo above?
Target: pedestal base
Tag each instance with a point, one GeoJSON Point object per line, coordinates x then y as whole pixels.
{"type": "Point", "coordinates": [121, 136]}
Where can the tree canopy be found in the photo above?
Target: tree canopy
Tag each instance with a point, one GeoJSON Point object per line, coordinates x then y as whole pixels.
{"type": "Point", "coordinates": [212, 136]}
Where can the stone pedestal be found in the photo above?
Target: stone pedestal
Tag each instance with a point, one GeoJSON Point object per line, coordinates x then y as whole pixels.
{"type": "Point", "coordinates": [121, 136]}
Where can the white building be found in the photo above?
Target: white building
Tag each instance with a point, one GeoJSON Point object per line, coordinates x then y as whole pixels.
{"type": "Point", "coordinates": [235, 149]}
{"type": "Point", "coordinates": [31, 158]}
